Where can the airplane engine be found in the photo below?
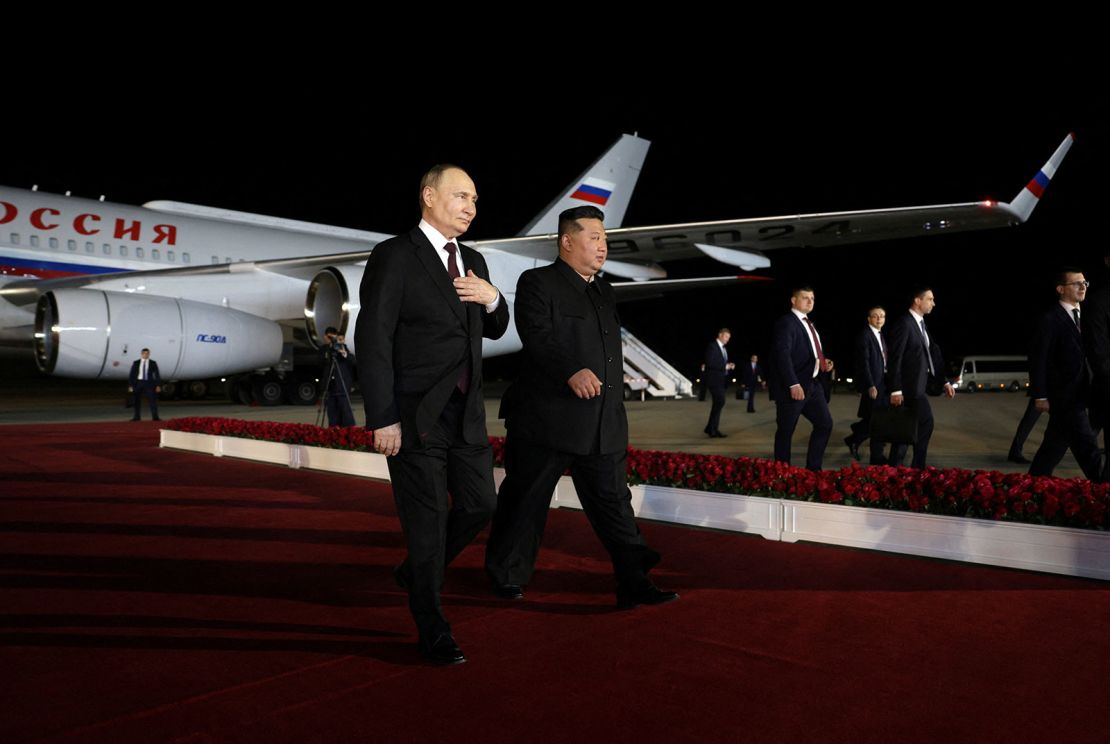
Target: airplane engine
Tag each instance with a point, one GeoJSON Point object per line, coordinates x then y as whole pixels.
{"type": "Point", "coordinates": [91, 333]}
{"type": "Point", "coordinates": [332, 300]}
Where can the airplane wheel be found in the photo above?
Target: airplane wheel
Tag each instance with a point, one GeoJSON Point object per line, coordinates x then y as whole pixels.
{"type": "Point", "coordinates": [628, 394]}
{"type": "Point", "coordinates": [242, 393]}
{"type": "Point", "coordinates": [169, 390]}
{"type": "Point", "coordinates": [267, 390]}
{"type": "Point", "coordinates": [301, 392]}
{"type": "Point", "coordinates": [197, 389]}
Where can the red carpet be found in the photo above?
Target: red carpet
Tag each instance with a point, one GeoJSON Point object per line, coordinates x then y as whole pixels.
{"type": "Point", "coordinates": [152, 595]}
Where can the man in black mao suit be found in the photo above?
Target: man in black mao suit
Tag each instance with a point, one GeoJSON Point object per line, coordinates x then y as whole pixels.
{"type": "Point", "coordinates": [566, 410]}
{"type": "Point", "coordinates": [914, 364]}
{"type": "Point", "coordinates": [798, 364]}
{"type": "Point", "coordinates": [144, 382]}
{"type": "Point", "coordinates": [1060, 383]}
{"type": "Point", "coordinates": [870, 373]}
{"type": "Point", "coordinates": [419, 340]}
{"type": "Point", "coordinates": [715, 371]}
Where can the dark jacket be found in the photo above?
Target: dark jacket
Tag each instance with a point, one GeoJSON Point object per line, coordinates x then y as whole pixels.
{"type": "Point", "coordinates": [1057, 363]}
{"type": "Point", "coordinates": [413, 335]}
{"type": "Point", "coordinates": [907, 364]}
{"type": "Point", "coordinates": [566, 325]}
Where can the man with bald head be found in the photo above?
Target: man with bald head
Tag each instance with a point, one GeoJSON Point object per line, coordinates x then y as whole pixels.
{"type": "Point", "coordinates": [426, 304]}
{"type": "Point", "coordinates": [565, 411]}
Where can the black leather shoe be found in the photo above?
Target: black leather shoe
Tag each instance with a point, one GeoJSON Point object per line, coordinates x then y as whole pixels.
{"type": "Point", "coordinates": [509, 591]}
{"type": "Point", "coordinates": [648, 595]}
{"type": "Point", "coordinates": [853, 448]}
{"type": "Point", "coordinates": [443, 650]}
{"type": "Point", "coordinates": [718, 435]}
{"type": "Point", "coordinates": [1020, 460]}
{"type": "Point", "coordinates": [156, 419]}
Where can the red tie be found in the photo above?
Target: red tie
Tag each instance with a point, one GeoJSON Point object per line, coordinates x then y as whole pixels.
{"type": "Point", "coordinates": [817, 345]}
{"type": "Point", "coordinates": [453, 269]}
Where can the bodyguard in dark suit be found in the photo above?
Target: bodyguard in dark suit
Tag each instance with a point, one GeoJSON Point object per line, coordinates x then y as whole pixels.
{"type": "Point", "coordinates": [715, 371]}
{"type": "Point", "coordinates": [798, 363]}
{"type": "Point", "coordinates": [566, 411]}
{"type": "Point", "coordinates": [419, 340]}
{"type": "Point", "coordinates": [751, 381]}
{"type": "Point", "coordinates": [914, 365]}
{"type": "Point", "coordinates": [1096, 342]}
{"type": "Point", "coordinates": [145, 382]}
{"type": "Point", "coordinates": [1060, 382]}
{"type": "Point", "coordinates": [870, 360]}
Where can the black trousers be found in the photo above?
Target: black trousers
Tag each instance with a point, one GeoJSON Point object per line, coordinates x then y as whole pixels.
{"type": "Point", "coordinates": [1069, 426]}
{"type": "Point", "coordinates": [445, 495]}
{"type": "Point", "coordinates": [145, 389]}
{"type": "Point", "coordinates": [339, 410]}
{"type": "Point", "coordinates": [861, 430]}
{"type": "Point", "coordinates": [924, 413]}
{"type": "Point", "coordinates": [815, 408]}
{"type": "Point", "coordinates": [531, 472]}
{"type": "Point", "coordinates": [718, 393]}
{"type": "Point", "coordinates": [1025, 428]}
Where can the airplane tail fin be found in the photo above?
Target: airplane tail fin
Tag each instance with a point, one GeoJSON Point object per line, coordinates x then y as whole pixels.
{"type": "Point", "coordinates": [607, 184]}
{"type": "Point", "coordinates": [1025, 201]}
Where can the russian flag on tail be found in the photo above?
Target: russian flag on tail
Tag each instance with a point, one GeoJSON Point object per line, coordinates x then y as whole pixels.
{"type": "Point", "coordinates": [594, 190]}
{"type": "Point", "coordinates": [1038, 184]}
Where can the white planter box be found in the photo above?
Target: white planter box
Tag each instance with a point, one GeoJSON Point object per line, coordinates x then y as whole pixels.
{"type": "Point", "coordinates": [1053, 549]}
{"type": "Point", "coordinates": [365, 464]}
{"type": "Point", "coordinates": [722, 511]}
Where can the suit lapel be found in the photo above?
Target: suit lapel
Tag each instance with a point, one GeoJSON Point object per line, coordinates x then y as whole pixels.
{"type": "Point", "coordinates": [430, 260]}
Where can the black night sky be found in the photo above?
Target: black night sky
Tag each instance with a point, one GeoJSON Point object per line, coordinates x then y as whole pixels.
{"type": "Point", "coordinates": [329, 159]}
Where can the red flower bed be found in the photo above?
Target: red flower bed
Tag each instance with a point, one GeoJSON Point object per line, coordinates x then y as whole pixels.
{"type": "Point", "coordinates": [983, 494]}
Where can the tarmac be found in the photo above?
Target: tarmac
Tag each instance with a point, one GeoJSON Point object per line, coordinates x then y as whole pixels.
{"type": "Point", "coordinates": [972, 431]}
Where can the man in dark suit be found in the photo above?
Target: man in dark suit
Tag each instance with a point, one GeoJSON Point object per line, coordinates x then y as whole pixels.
{"type": "Point", "coordinates": [1060, 382]}
{"type": "Point", "coordinates": [419, 339]}
{"type": "Point", "coordinates": [870, 373]}
{"type": "Point", "coordinates": [751, 381]}
{"type": "Point", "coordinates": [1096, 341]}
{"type": "Point", "coordinates": [144, 382]}
{"type": "Point", "coordinates": [715, 371]}
{"type": "Point", "coordinates": [914, 365]}
{"type": "Point", "coordinates": [798, 362]}
{"type": "Point", "coordinates": [566, 411]}
{"type": "Point", "coordinates": [336, 369]}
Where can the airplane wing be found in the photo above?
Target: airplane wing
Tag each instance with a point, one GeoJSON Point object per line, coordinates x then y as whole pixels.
{"type": "Point", "coordinates": [645, 290]}
{"type": "Point", "coordinates": [27, 291]}
{"type": "Point", "coordinates": [741, 242]}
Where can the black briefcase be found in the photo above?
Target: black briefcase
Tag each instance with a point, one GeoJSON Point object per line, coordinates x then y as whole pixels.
{"type": "Point", "coordinates": [895, 425]}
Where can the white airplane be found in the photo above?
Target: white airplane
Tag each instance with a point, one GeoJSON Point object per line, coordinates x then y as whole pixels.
{"type": "Point", "coordinates": [213, 292]}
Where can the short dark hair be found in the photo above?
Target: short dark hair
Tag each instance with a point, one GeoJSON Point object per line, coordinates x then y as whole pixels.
{"type": "Point", "coordinates": [724, 330]}
{"type": "Point", "coordinates": [918, 291]}
{"type": "Point", "coordinates": [873, 308]}
{"type": "Point", "coordinates": [142, 350]}
{"type": "Point", "coordinates": [568, 219]}
{"type": "Point", "coordinates": [795, 291]}
{"type": "Point", "coordinates": [432, 177]}
{"type": "Point", "coordinates": [1062, 274]}
{"type": "Point", "coordinates": [331, 329]}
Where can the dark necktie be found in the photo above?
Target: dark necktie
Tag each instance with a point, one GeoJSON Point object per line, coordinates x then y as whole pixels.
{"type": "Point", "coordinates": [928, 355]}
{"type": "Point", "coordinates": [1075, 313]}
{"type": "Point", "coordinates": [882, 347]}
{"type": "Point", "coordinates": [452, 264]}
{"type": "Point", "coordinates": [816, 345]}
